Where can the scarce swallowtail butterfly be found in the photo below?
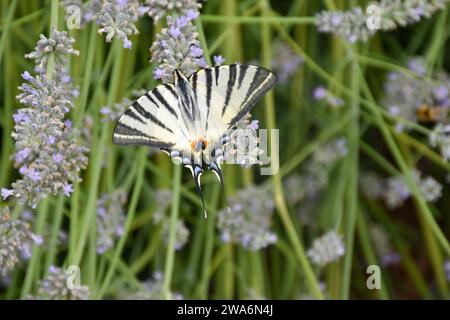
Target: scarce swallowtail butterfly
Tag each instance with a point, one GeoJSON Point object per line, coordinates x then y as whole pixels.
{"type": "Point", "coordinates": [190, 118]}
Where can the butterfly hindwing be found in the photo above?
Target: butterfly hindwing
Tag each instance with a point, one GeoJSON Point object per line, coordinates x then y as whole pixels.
{"type": "Point", "coordinates": [153, 120]}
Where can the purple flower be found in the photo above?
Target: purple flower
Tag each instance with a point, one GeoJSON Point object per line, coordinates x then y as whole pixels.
{"type": "Point", "coordinates": [89, 16]}
{"type": "Point", "coordinates": [34, 175]}
{"type": "Point", "coordinates": [196, 51]}
{"type": "Point", "coordinates": [68, 124]}
{"type": "Point", "coordinates": [182, 21]}
{"type": "Point", "coordinates": [58, 157]}
{"type": "Point", "coordinates": [191, 14]}
{"type": "Point", "coordinates": [120, 230]}
{"type": "Point", "coordinates": [68, 189]}
{"type": "Point", "coordinates": [27, 76]}
{"type": "Point", "coordinates": [101, 211]}
{"type": "Point", "coordinates": [101, 249]}
{"type": "Point", "coordinates": [51, 140]}
{"type": "Point", "coordinates": [121, 3]}
{"type": "Point", "coordinates": [158, 73]}
{"type": "Point", "coordinates": [37, 239]}
{"type": "Point", "coordinates": [52, 269]}
{"type": "Point", "coordinates": [417, 66]}
{"type": "Point", "coordinates": [218, 60]}
{"type": "Point", "coordinates": [417, 13]}
{"type": "Point", "coordinates": [22, 154]}
{"type": "Point", "coordinates": [440, 93]}
{"type": "Point", "coordinates": [143, 10]}
{"type": "Point", "coordinates": [23, 170]}
{"type": "Point", "coordinates": [336, 20]}
{"type": "Point", "coordinates": [6, 193]}
{"type": "Point", "coordinates": [20, 116]}
{"type": "Point", "coordinates": [174, 32]}
{"type": "Point", "coordinates": [65, 78]}
{"type": "Point", "coordinates": [254, 125]}
{"type": "Point", "coordinates": [105, 110]}
{"type": "Point", "coordinates": [319, 93]}
{"type": "Point", "coordinates": [127, 44]}
{"type": "Point", "coordinates": [202, 63]}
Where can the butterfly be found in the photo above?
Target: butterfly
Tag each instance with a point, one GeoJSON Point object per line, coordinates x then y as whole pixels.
{"type": "Point", "coordinates": [189, 119]}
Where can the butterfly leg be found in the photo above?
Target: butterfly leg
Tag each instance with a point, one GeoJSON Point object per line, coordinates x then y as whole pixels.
{"type": "Point", "coordinates": [197, 172]}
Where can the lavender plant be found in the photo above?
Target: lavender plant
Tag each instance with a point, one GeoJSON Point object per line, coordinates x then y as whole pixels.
{"type": "Point", "coordinates": [55, 287]}
{"type": "Point", "coordinates": [406, 94]}
{"type": "Point", "coordinates": [16, 240]}
{"type": "Point", "coordinates": [383, 247]}
{"type": "Point", "coordinates": [181, 233]}
{"type": "Point", "coordinates": [152, 289]}
{"type": "Point", "coordinates": [322, 94]}
{"type": "Point", "coordinates": [48, 155]}
{"type": "Point", "coordinates": [285, 62]}
{"type": "Point", "coordinates": [249, 221]}
{"type": "Point", "coordinates": [326, 249]}
{"type": "Point", "coordinates": [110, 219]}
{"type": "Point", "coordinates": [177, 47]}
{"type": "Point", "coordinates": [371, 127]}
{"type": "Point", "coordinates": [158, 9]}
{"type": "Point", "coordinates": [357, 25]}
{"type": "Point", "coordinates": [395, 191]}
{"type": "Point", "coordinates": [117, 19]}
{"type": "Point", "coordinates": [315, 175]}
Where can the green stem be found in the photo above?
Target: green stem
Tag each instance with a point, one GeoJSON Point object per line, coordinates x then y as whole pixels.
{"type": "Point", "coordinates": [279, 197]}
{"type": "Point", "coordinates": [53, 242]}
{"type": "Point", "coordinates": [7, 26]}
{"type": "Point", "coordinates": [53, 25]}
{"type": "Point", "coordinates": [352, 188]}
{"type": "Point", "coordinates": [128, 222]}
{"type": "Point", "coordinates": [32, 273]}
{"type": "Point", "coordinates": [170, 253]}
{"type": "Point", "coordinates": [97, 158]}
{"type": "Point", "coordinates": [257, 20]}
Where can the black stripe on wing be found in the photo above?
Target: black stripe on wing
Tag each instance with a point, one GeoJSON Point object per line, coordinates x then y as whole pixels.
{"type": "Point", "coordinates": [230, 85]}
{"type": "Point", "coordinates": [163, 101]}
{"type": "Point", "coordinates": [147, 115]}
{"type": "Point", "coordinates": [125, 135]}
{"type": "Point", "coordinates": [263, 80]}
{"type": "Point", "coordinates": [150, 120]}
{"type": "Point", "coordinates": [133, 115]}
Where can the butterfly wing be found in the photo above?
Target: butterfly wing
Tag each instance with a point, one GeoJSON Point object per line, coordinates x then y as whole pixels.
{"type": "Point", "coordinates": [153, 120]}
{"type": "Point", "coordinates": [225, 94]}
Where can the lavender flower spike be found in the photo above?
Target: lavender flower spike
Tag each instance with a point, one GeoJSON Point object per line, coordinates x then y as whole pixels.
{"type": "Point", "coordinates": [158, 9]}
{"type": "Point", "coordinates": [326, 249]}
{"type": "Point", "coordinates": [117, 18]}
{"type": "Point", "coordinates": [177, 47]}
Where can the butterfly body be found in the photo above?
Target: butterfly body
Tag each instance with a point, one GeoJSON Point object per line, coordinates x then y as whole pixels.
{"type": "Point", "coordinates": [190, 118]}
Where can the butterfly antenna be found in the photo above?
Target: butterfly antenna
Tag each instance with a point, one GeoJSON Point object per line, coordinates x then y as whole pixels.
{"type": "Point", "coordinates": [185, 55]}
{"type": "Point", "coordinates": [215, 167]}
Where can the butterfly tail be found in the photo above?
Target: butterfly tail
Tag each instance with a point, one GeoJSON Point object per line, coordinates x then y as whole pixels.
{"type": "Point", "coordinates": [215, 167]}
{"type": "Point", "coordinates": [197, 172]}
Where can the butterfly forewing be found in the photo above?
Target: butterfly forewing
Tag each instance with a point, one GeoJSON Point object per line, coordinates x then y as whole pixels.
{"type": "Point", "coordinates": [225, 94]}
{"type": "Point", "coordinates": [153, 120]}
